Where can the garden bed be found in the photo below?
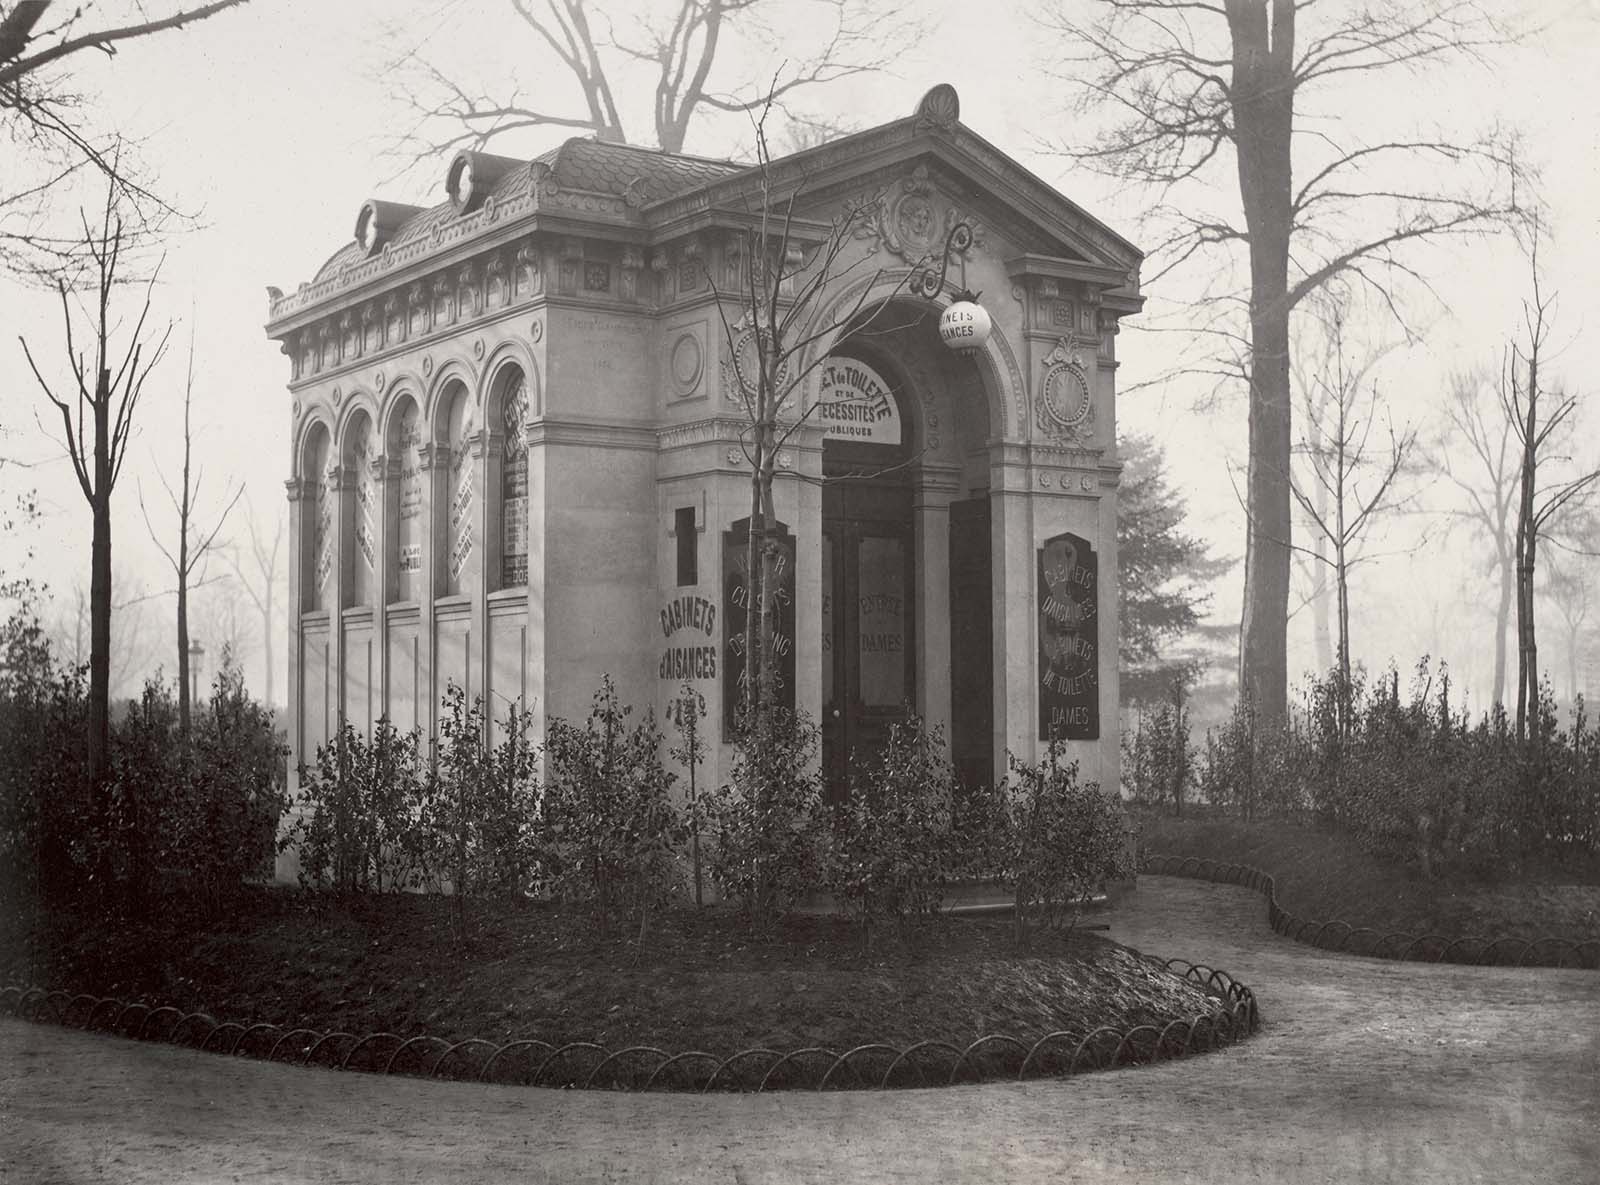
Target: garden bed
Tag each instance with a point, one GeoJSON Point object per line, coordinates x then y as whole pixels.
{"type": "Point", "coordinates": [1324, 874]}
{"type": "Point", "coordinates": [519, 969]}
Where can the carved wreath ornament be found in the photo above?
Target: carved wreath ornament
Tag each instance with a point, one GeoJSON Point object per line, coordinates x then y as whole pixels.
{"type": "Point", "coordinates": [741, 372]}
{"type": "Point", "coordinates": [1065, 404]}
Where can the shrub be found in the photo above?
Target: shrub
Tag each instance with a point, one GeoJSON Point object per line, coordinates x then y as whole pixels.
{"type": "Point", "coordinates": [1157, 756]}
{"type": "Point", "coordinates": [1065, 841]}
{"type": "Point", "coordinates": [610, 834]}
{"type": "Point", "coordinates": [766, 824]}
{"type": "Point", "coordinates": [364, 812]}
{"type": "Point", "coordinates": [197, 812]}
{"type": "Point", "coordinates": [481, 819]}
{"type": "Point", "coordinates": [237, 788]}
{"type": "Point", "coordinates": [891, 849]}
{"type": "Point", "coordinates": [49, 820]}
{"type": "Point", "coordinates": [1412, 778]}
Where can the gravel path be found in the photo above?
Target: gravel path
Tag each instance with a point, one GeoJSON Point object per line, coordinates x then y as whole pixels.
{"type": "Point", "coordinates": [1365, 1071]}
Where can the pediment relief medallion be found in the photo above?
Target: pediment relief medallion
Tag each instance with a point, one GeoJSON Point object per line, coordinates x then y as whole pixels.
{"type": "Point", "coordinates": [910, 220]}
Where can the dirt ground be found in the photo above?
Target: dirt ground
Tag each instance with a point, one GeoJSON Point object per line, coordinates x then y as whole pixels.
{"type": "Point", "coordinates": [1365, 1071]}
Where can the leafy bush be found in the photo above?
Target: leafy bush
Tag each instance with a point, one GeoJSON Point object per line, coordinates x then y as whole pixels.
{"type": "Point", "coordinates": [1065, 840]}
{"type": "Point", "coordinates": [195, 814]}
{"type": "Point", "coordinates": [1157, 756]}
{"type": "Point", "coordinates": [481, 820]}
{"type": "Point", "coordinates": [49, 819]}
{"type": "Point", "coordinates": [362, 823]}
{"type": "Point", "coordinates": [1412, 778]}
{"type": "Point", "coordinates": [610, 833]}
{"type": "Point", "coordinates": [376, 815]}
{"type": "Point", "coordinates": [891, 848]}
{"type": "Point", "coordinates": [767, 823]}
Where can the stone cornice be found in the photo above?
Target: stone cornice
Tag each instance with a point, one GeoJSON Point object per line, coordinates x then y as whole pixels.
{"type": "Point", "coordinates": [591, 434]}
{"type": "Point", "coordinates": [543, 209]}
{"type": "Point", "coordinates": [444, 335]}
{"type": "Point", "coordinates": [1094, 275]}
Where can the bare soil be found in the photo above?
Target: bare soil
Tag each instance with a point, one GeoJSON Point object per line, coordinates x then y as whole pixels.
{"type": "Point", "coordinates": [1366, 1071]}
{"type": "Point", "coordinates": [509, 970]}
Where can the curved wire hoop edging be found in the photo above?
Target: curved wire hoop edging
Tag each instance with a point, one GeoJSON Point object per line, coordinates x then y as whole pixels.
{"type": "Point", "coordinates": [757, 1069]}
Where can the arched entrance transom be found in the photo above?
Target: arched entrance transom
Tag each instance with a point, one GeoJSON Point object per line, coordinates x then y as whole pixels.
{"type": "Point", "coordinates": [905, 569]}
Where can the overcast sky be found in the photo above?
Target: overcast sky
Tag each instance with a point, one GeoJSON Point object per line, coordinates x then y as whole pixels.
{"type": "Point", "coordinates": [271, 121]}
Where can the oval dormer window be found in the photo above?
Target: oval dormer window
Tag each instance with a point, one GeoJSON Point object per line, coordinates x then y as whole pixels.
{"type": "Point", "coordinates": [367, 229]}
{"type": "Point", "coordinates": [460, 183]}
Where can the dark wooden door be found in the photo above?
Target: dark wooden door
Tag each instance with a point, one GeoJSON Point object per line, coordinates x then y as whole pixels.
{"type": "Point", "coordinates": [971, 643]}
{"type": "Point", "coordinates": [868, 623]}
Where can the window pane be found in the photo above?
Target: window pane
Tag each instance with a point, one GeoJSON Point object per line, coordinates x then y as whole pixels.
{"type": "Point", "coordinates": [408, 539]}
{"type": "Point", "coordinates": [322, 533]}
{"type": "Point", "coordinates": [366, 516]}
{"type": "Point", "coordinates": [882, 622]}
{"type": "Point", "coordinates": [458, 530]}
{"type": "Point", "coordinates": [514, 489]}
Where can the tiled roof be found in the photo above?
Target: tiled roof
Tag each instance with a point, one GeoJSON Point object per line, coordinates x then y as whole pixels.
{"type": "Point", "coordinates": [590, 165]}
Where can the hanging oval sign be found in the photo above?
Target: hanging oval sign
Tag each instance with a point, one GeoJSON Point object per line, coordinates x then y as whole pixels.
{"type": "Point", "coordinates": [856, 403]}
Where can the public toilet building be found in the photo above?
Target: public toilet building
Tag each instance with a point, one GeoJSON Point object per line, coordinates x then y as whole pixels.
{"type": "Point", "coordinates": [517, 462]}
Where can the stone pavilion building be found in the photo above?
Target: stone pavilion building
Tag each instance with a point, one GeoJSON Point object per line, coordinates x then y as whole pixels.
{"type": "Point", "coordinates": [516, 456]}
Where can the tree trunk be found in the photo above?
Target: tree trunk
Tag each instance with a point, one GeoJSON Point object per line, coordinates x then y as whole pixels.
{"type": "Point", "coordinates": [1502, 622]}
{"type": "Point", "coordinates": [1527, 651]}
{"type": "Point", "coordinates": [100, 631]}
{"type": "Point", "coordinates": [266, 638]}
{"type": "Point", "coordinates": [1263, 108]}
{"type": "Point", "coordinates": [1321, 625]}
{"type": "Point", "coordinates": [183, 638]}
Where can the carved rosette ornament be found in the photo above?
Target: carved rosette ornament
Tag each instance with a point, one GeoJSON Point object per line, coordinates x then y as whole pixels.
{"type": "Point", "coordinates": [1064, 407]}
{"type": "Point", "coordinates": [741, 370]}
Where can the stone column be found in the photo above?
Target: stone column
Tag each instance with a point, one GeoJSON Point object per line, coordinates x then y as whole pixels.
{"type": "Point", "coordinates": [432, 460]}
{"type": "Point", "coordinates": [936, 489]}
{"type": "Point", "coordinates": [287, 865]}
{"type": "Point", "coordinates": [488, 451]}
{"type": "Point", "coordinates": [382, 534]}
{"type": "Point", "coordinates": [341, 488]}
{"type": "Point", "coordinates": [1011, 551]}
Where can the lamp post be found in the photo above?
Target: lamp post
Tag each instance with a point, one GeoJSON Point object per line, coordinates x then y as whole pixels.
{"type": "Point", "coordinates": [965, 325]}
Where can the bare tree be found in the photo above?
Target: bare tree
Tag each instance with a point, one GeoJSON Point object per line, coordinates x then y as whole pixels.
{"type": "Point", "coordinates": [194, 542]}
{"type": "Point", "coordinates": [133, 648]}
{"type": "Point", "coordinates": [1569, 585]}
{"type": "Point", "coordinates": [1354, 475]}
{"type": "Point", "coordinates": [1476, 456]}
{"type": "Point", "coordinates": [1535, 417]}
{"type": "Point", "coordinates": [97, 416]}
{"type": "Point", "coordinates": [683, 45]}
{"type": "Point", "coordinates": [789, 269]}
{"type": "Point", "coordinates": [1198, 91]}
{"type": "Point", "coordinates": [42, 114]}
{"type": "Point", "coordinates": [258, 576]}
{"type": "Point", "coordinates": [223, 617]}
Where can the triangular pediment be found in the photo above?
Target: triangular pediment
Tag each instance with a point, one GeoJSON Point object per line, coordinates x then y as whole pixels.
{"type": "Point", "coordinates": [922, 176]}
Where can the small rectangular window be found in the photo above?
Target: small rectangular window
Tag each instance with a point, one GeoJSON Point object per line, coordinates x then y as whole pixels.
{"type": "Point", "coordinates": [688, 545]}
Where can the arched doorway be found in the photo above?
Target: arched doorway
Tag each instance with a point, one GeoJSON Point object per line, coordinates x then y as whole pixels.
{"type": "Point", "coordinates": [868, 630]}
{"type": "Point", "coordinates": [908, 586]}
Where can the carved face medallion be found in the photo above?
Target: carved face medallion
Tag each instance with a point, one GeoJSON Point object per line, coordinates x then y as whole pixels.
{"type": "Point", "coordinates": [914, 219]}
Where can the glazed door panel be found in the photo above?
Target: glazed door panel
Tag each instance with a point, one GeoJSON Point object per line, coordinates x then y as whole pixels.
{"type": "Point", "coordinates": [868, 618]}
{"type": "Point", "coordinates": [971, 643]}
